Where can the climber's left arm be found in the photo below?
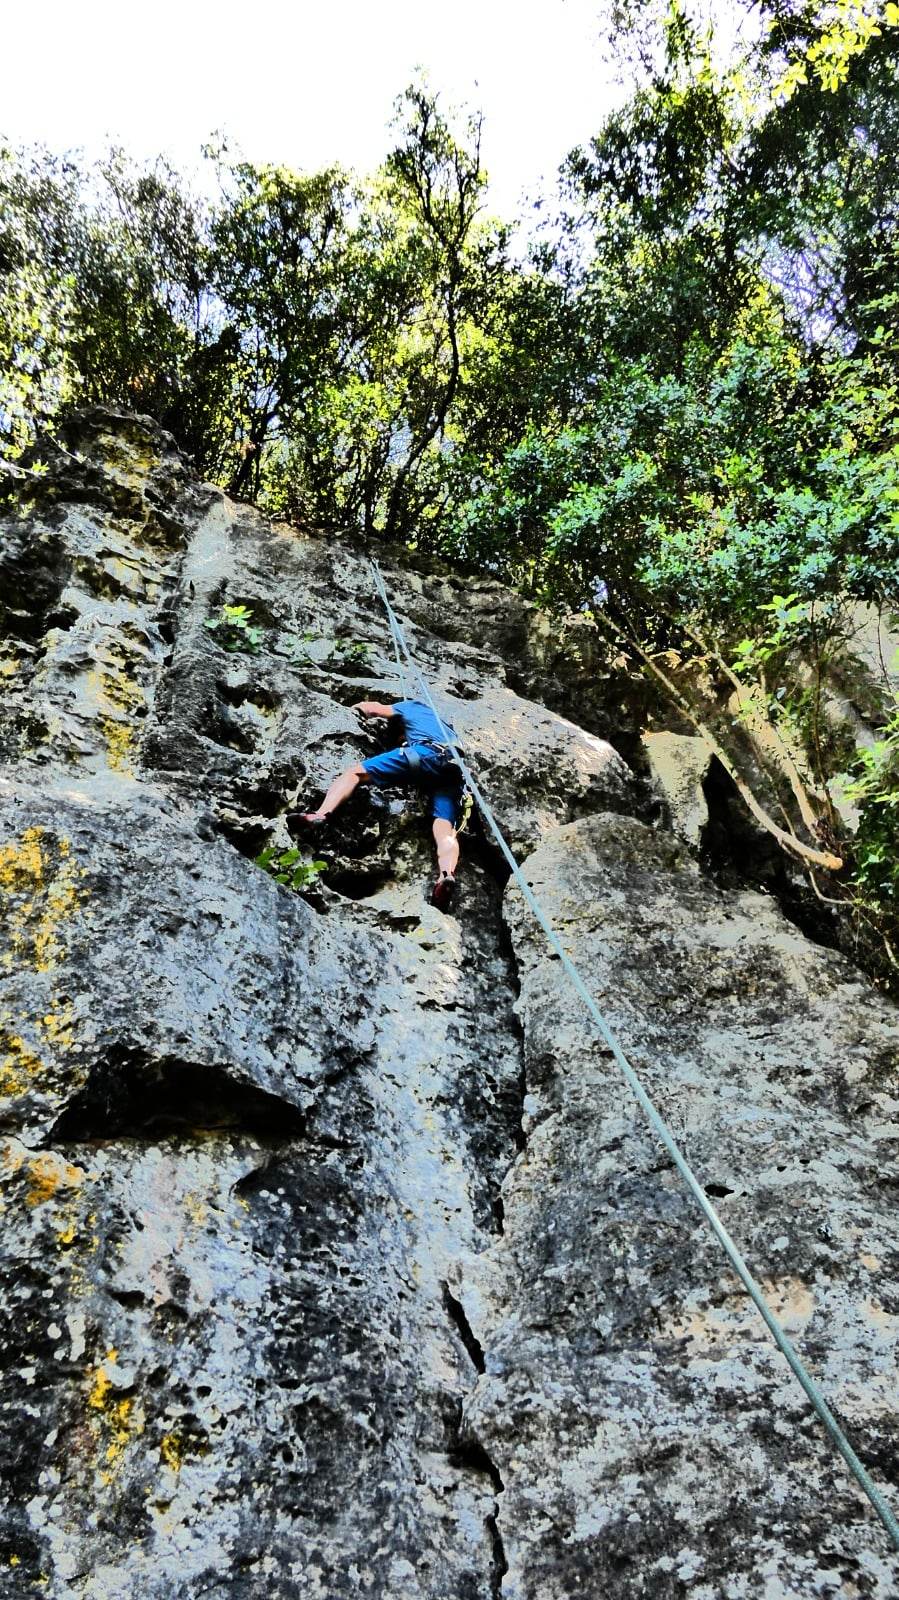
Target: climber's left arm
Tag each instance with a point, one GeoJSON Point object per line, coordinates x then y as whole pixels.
{"type": "Point", "coordinates": [374, 708]}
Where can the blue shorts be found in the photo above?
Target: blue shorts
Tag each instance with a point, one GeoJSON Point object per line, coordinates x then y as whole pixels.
{"type": "Point", "coordinates": [394, 768]}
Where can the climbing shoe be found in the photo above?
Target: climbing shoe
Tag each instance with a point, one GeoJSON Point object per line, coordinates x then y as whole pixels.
{"type": "Point", "coordinates": [307, 819]}
{"type": "Point", "coordinates": [444, 892]}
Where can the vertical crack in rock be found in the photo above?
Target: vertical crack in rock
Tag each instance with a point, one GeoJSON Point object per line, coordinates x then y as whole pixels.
{"type": "Point", "coordinates": [456, 1313]}
{"type": "Point", "coordinates": [607, 1297]}
{"type": "Point", "coordinates": [500, 1565]}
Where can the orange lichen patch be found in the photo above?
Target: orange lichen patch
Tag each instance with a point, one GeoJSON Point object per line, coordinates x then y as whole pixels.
{"type": "Point", "coordinates": [13, 1157]}
{"type": "Point", "coordinates": [879, 1317]}
{"type": "Point", "coordinates": [790, 1299]}
{"type": "Point", "coordinates": [46, 1174]}
{"type": "Point", "coordinates": [8, 669]}
{"type": "Point", "coordinates": [39, 881]}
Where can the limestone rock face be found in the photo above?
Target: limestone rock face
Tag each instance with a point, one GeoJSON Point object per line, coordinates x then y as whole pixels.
{"type": "Point", "coordinates": [679, 764]}
{"type": "Point", "coordinates": [333, 1264]}
{"type": "Point", "coordinates": [684, 1457]}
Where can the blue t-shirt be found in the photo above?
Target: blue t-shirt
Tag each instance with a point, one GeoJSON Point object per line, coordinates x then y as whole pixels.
{"type": "Point", "coordinates": [421, 725]}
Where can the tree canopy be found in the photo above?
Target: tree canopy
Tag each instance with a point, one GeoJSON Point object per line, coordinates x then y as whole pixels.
{"type": "Point", "coordinates": [672, 402]}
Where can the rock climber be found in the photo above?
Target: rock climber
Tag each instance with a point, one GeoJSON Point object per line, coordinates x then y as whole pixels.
{"type": "Point", "coordinates": [423, 758]}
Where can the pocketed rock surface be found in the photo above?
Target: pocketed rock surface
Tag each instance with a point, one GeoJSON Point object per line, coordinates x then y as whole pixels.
{"type": "Point", "coordinates": [337, 1260]}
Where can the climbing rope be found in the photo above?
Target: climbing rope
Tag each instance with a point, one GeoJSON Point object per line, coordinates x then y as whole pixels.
{"type": "Point", "coordinates": [395, 640]}
{"type": "Point", "coordinates": [653, 1117]}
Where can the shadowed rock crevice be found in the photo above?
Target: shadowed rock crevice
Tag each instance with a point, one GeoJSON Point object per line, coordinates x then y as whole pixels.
{"type": "Point", "coordinates": [738, 854]}
{"type": "Point", "coordinates": [132, 1094]}
{"type": "Point", "coordinates": [456, 1313]}
{"type": "Point", "coordinates": [468, 1455]}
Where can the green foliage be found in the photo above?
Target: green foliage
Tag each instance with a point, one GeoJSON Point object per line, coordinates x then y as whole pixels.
{"type": "Point", "coordinates": [341, 654]}
{"type": "Point", "coordinates": [677, 399]}
{"type": "Point", "coordinates": [290, 867]}
{"type": "Point", "coordinates": [875, 788]}
{"type": "Point", "coordinates": [786, 617]}
{"type": "Point", "coordinates": [234, 629]}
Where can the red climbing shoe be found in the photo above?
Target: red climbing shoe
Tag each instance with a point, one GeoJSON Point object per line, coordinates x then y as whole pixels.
{"type": "Point", "coordinates": [444, 892]}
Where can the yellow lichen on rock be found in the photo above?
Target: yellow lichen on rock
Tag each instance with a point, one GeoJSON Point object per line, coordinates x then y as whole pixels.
{"type": "Point", "coordinates": [196, 1209]}
{"type": "Point", "coordinates": [19, 1064]}
{"type": "Point", "coordinates": [114, 1422]}
{"type": "Point", "coordinates": [39, 881]}
{"type": "Point", "coordinates": [118, 699]}
{"type": "Point", "coordinates": [23, 1060]}
{"type": "Point", "coordinates": [57, 1028]}
{"type": "Point", "coordinates": [171, 1448]}
{"type": "Point", "coordinates": [119, 743]}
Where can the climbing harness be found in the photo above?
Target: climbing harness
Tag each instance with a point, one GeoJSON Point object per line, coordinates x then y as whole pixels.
{"type": "Point", "coordinates": [653, 1117]}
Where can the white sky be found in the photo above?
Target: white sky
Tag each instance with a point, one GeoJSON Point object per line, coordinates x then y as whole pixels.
{"type": "Point", "coordinates": [307, 83]}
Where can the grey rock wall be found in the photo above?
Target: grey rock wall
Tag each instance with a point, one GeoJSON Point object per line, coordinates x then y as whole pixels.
{"type": "Point", "coordinates": [336, 1259]}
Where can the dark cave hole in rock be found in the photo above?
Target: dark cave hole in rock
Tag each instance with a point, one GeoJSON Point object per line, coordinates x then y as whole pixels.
{"type": "Point", "coordinates": [738, 854]}
{"type": "Point", "coordinates": [357, 883]}
{"type": "Point", "coordinates": [31, 730]}
{"type": "Point", "coordinates": [260, 695]}
{"type": "Point", "coordinates": [479, 846]}
{"type": "Point", "coordinates": [226, 731]}
{"type": "Point", "coordinates": [248, 838]}
{"type": "Point", "coordinates": [464, 691]}
{"type": "Point", "coordinates": [265, 799]}
{"type": "Point", "coordinates": [718, 1191]}
{"type": "Point", "coordinates": [346, 691]}
{"type": "Point", "coordinates": [470, 1454]}
{"type": "Point", "coordinates": [131, 1299]}
{"type": "Point", "coordinates": [63, 619]}
{"type": "Point", "coordinates": [133, 1094]}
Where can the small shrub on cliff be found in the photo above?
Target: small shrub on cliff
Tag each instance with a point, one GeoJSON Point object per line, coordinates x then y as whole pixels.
{"type": "Point", "coordinates": [234, 630]}
{"type": "Point", "coordinates": [876, 789]}
{"type": "Point", "coordinates": [290, 867]}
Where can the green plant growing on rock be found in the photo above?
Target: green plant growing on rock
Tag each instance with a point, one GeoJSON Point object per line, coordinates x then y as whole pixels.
{"type": "Point", "coordinates": [339, 653]}
{"type": "Point", "coordinates": [351, 652]}
{"type": "Point", "coordinates": [296, 646]}
{"type": "Point", "coordinates": [875, 788]}
{"type": "Point", "coordinates": [290, 867]}
{"type": "Point", "coordinates": [234, 629]}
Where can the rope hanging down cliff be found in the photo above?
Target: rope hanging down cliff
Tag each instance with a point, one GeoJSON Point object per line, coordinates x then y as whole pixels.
{"type": "Point", "coordinates": [653, 1117]}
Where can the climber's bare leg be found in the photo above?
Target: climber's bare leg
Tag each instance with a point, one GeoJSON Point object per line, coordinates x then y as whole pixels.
{"type": "Point", "coordinates": [341, 789]}
{"type": "Point", "coordinates": [447, 843]}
